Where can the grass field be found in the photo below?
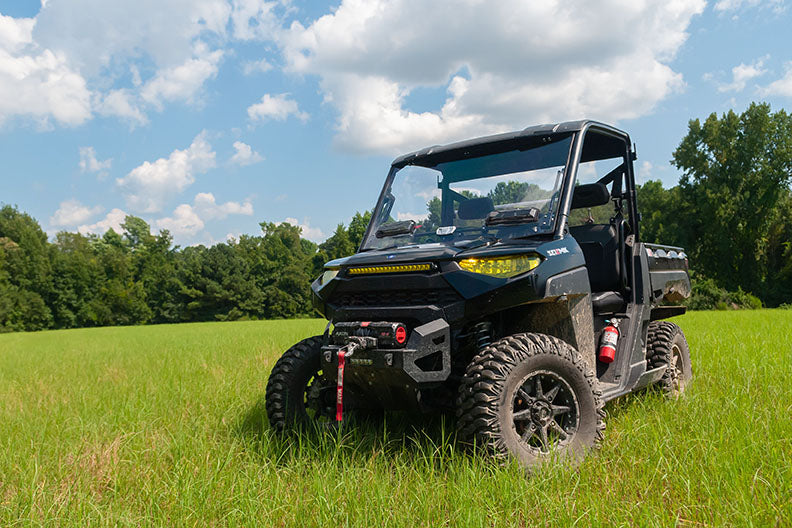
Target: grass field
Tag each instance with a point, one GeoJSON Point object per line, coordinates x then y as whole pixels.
{"type": "Point", "coordinates": [165, 425]}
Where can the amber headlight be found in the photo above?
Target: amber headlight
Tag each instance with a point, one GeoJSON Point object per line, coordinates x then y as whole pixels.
{"type": "Point", "coordinates": [503, 267]}
{"type": "Point", "coordinates": [327, 276]}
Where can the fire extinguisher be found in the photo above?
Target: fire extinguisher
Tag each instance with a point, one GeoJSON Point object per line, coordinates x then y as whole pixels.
{"type": "Point", "coordinates": [610, 336]}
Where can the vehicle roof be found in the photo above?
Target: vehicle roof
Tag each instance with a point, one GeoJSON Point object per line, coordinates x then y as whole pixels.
{"type": "Point", "coordinates": [532, 131]}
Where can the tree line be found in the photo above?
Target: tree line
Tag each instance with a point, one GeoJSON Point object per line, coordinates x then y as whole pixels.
{"type": "Point", "coordinates": [136, 277]}
{"type": "Point", "coordinates": [731, 211]}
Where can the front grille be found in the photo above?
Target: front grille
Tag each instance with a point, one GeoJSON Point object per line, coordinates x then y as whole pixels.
{"type": "Point", "coordinates": [437, 297]}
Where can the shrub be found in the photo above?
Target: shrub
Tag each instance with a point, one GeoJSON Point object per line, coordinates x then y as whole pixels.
{"type": "Point", "coordinates": [707, 295]}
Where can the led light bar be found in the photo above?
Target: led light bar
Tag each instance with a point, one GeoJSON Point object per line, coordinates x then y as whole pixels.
{"type": "Point", "coordinates": [390, 268]}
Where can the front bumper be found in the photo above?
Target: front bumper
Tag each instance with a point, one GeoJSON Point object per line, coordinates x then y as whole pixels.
{"type": "Point", "coordinates": [395, 376]}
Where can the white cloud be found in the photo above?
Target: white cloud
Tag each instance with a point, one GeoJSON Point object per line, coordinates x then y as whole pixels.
{"type": "Point", "coordinates": [278, 107]}
{"type": "Point", "coordinates": [112, 220]}
{"type": "Point", "coordinates": [259, 66]}
{"type": "Point", "coordinates": [418, 217]}
{"type": "Point", "coordinates": [742, 73]}
{"type": "Point", "coordinates": [89, 163]}
{"type": "Point", "coordinates": [120, 103]}
{"type": "Point", "coordinates": [36, 81]}
{"type": "Point", "coordinates": [734, 5]}
{"type": "Point", "coordinates": [72, 212]}
{"type": "Point", "coordinates": [208, 208]}
{"type": "Point", "coordinates": [98, 34]}
{"type": "Point", "coordinates": [314, 234]}
{"type": "Point", "coordinates": [245, 155]}
{"type": "Point", "coordinates": [184, 221]}
{"type": "Point", "coordinates": [644, 173]}
{"type": "Point", "coordinates": [15, 33]}
{"type": "Point", "coordinates": [150, 184]}
{"type": "Point", "coordinates": [254, 19]}
{"type": "Point", "coordinates": [503, 65]}
{"type": "Point", "coordinates": [75, 58]}
{"type": "Point", "coordinates": [781, 86]}
{"type": "Point", "coordinates": [188, 220]}
{"type": "Point", "coordinates": [182, 82]}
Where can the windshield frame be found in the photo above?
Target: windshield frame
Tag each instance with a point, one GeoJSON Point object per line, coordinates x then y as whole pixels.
{"type": "Point", "coordinates": [561, 207]}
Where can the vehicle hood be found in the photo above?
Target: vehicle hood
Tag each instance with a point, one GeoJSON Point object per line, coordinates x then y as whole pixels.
{"type": "Point", "coordinates": [432, 253]}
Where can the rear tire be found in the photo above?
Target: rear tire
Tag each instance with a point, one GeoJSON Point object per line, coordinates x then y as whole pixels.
{"type": "Point", "coordinates": [533, 397]}
{"type": "Point", "coordinates": [296, 393]}
{"type": "Point", "coordinates": [666, 345]}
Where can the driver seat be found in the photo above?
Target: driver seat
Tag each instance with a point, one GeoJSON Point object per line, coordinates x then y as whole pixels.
{"type": "Point", "coordinates": [601, 250]}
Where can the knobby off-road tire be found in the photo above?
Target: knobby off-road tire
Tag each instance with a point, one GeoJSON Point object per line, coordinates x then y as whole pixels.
{"type": "Point", "coordinates": [501, 408]}
{"type": "Point", "coordinates": [666, 345]}
{"type": "Point", "coordinates": [296, 395]}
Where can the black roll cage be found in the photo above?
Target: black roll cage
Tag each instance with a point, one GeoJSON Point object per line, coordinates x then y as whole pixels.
{"type": "Point", "coordinates": [581, 150]}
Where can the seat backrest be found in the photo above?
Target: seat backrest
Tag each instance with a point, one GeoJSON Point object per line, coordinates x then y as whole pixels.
{"type": "Point", "coordinates": [600, 245]}
{"type": "Point", "coordinates": [590, 195]}
{"type": "Point", "coordinates": [475, 208]}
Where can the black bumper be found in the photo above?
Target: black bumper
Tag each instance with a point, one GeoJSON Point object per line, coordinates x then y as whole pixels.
{"type": "Point", "coordinates": [394, 376]}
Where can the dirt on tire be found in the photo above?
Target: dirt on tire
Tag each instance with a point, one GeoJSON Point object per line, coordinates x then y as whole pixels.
{"type": "Point", "coordinates": [666, 345]}
{"type": "Point", "coordinates": [485, 414]}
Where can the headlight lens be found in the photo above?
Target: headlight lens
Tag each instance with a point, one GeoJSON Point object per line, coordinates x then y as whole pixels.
{"type": "Point", "coordinates": [327, 276]}
{"type": "Point", "coordinates": [503, 267]}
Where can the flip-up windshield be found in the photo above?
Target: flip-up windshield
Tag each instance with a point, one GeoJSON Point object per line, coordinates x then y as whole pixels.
{"type": "Point", "coordinates": [495, 196]}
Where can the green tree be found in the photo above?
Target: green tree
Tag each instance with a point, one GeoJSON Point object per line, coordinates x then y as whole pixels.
{"type": "Point", "coordinates": [26, 277]}
{"type": "Point", "coordinates": [736, 169]}
{"type": "Point", "coordinates": [659, 209]}
{"type": "Point", "coordinates": [357, 227]}
{"type": "Point", "coordinates": [515, 192]}
{"type": "Point", "coordinates": [338, 245]}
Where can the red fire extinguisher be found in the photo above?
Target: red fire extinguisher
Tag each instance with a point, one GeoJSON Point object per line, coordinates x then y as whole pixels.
{"type": "Point", "coordinates": [610, 336]}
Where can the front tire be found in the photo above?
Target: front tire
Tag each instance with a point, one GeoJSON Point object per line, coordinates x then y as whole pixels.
{"type": "Point", "coordinates": [297, 395]}
{"type": "Point", "coordinates": [533, 397]}
{"type": "Point", "coordinates": [666, 345]}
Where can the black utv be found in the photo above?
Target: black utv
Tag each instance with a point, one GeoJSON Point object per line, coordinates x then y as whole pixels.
{"type": "Point", "coordinates": [502, 278]}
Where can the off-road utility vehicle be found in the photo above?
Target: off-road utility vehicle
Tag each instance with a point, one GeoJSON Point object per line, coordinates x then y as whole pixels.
{"type": "Point", "coordinates": [503, 278]}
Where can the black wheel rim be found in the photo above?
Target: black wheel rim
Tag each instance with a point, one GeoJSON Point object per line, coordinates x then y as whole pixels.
{"type": "Point", "coordinates": [319, 399]}
{"type": "Point", "coordinates": [545, 412]}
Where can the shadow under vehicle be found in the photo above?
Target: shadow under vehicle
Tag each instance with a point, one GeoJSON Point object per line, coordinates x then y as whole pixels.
{"type": "Point", "coordinates": [503, 278]}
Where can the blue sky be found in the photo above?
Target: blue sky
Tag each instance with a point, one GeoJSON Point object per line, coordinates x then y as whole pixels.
{"type": "Point", "coordinates": [206, 117]}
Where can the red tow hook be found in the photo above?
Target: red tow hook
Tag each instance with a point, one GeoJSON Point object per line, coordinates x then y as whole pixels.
{"type": "Point", "coordinates": [343, 353]}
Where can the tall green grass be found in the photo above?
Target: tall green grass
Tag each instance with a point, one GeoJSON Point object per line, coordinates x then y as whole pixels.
{"type": "Point", "coordinates": [165, 425]}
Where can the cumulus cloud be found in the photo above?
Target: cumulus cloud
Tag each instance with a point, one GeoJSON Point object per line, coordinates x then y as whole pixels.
{"type": "Point", "coordinates": [189, 220]}
{"type": "Point", "coordinates": [208, 208]}
{"type": "Point", "coordinates": [100, 35]}
{"type": "Point", "coordinates": [314, 234]}
{"type": "Point", "coordinates": [89, 163]}
{"type": "Point", "coordinates": [259, 66]}
{"type": "Point", "coordinates": [149, 185]}
{"type": "Point", "coordinates": [781, 86]}
{"type": "Point", "coordinates": [278, 107]}
{"type": "Point", "coordinates": [36, 81]}
{"type": "Point", "coordinates": [244, 154]}
{"type": "Point", "coordinates": [254, 19]}
{"type": "Point", "coordinates": [742, 73]}
{"type": "Point", "coordinates": [734, 5]}
{"type": "Point", "coordinates": [182, 82]}
{"type": "Point", "coordinates": [183, 221]}
{"type": "Point", "coordinates": [72, 212]}
{"type": "Point", "coordinates": [75, 58]}
{"type": "Point", "coordinates": [112, 220]}
{"type": "Point", "coordinates": [120, 103]}
{"type": "Point", "coordinates": [502, 65]}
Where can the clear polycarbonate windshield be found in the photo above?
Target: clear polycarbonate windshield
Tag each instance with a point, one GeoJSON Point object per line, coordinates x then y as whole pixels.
{"type": "Point", "coordinates": [490, 197]}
